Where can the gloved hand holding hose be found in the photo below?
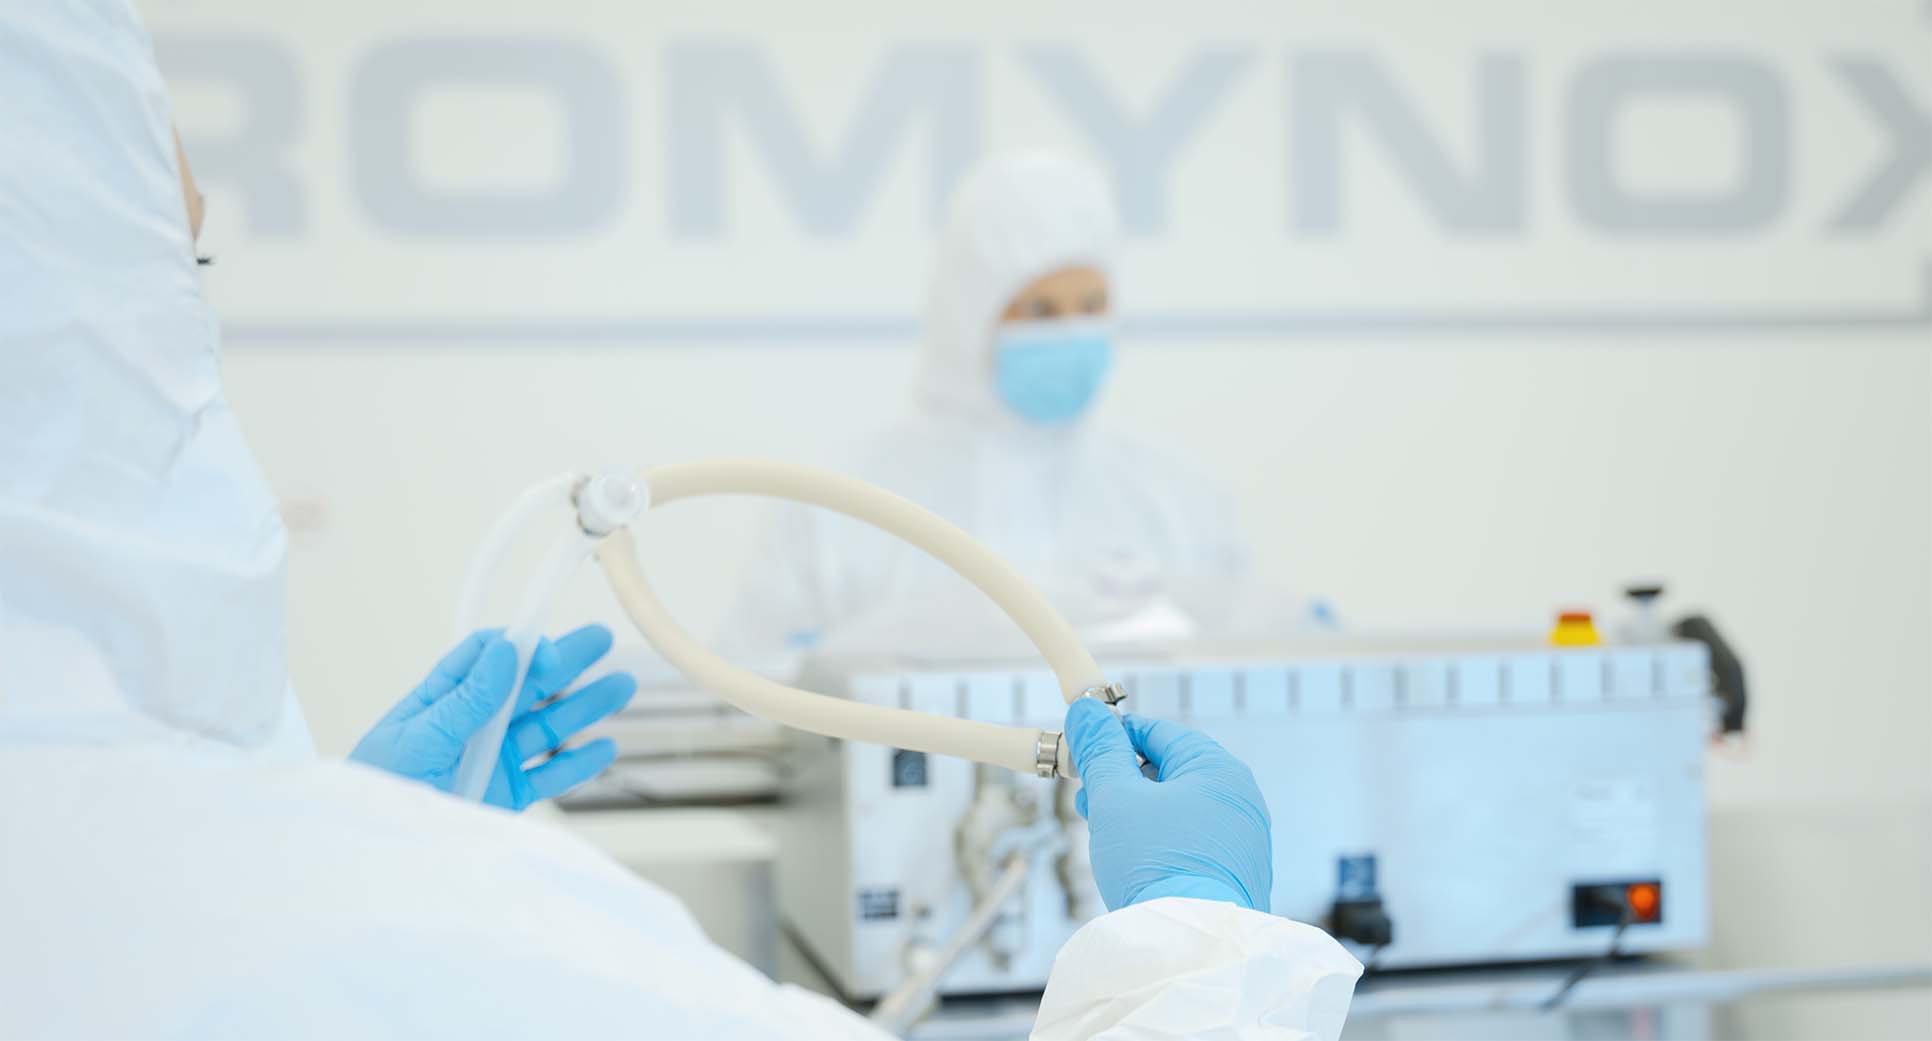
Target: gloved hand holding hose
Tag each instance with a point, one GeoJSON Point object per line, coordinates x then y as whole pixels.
{"type": "Point", "coordinates": [422, 737]}
{"type": "Point", "coordinates": [1198, 829]}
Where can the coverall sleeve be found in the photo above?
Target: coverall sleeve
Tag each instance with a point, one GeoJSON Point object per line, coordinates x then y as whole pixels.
{"type": "Point", "coordinates": [1180, 968]}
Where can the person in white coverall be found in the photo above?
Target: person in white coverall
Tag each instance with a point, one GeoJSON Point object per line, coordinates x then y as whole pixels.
{"type": "Point", "coordinates": [175, 861]}
{"type": "Point", "coordinates": [1017, 348]}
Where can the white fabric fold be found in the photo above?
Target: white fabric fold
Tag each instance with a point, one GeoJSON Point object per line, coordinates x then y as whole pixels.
{"type": "Point", "coordinates": [1176, 968]}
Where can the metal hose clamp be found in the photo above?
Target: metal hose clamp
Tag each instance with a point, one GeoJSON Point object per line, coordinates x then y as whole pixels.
{"type": "Point", "coordinates": [1111, 693]}
{"type": "Point", "coordinates": [1046, 754]}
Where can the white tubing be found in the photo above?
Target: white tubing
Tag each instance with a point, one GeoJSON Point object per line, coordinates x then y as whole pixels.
{"type": "Point", "coordinates": [1050, 633]}
{"type": "Point", "coordinates": [1010, 747]}
{"type": "Point", "coordinates": [902, 1008]}
{"type": "Point", "coordinates": [482, 750]}
{"type": "Point", "coordinates": [549, 494]}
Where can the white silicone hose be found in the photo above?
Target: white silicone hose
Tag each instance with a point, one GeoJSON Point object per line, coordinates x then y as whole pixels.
{"type": "Point", "coordinates": [481, 752]}
{"type": "Point", "coordinates": [910, 999]}
{"type": "Point", "coordinates": [601, 504]}
{"type": "Point", "coordinates": [1012, 747]}
{"type": "Point", "coordinates": [549, 495]}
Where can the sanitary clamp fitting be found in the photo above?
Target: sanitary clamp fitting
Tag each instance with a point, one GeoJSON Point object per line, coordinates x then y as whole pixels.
{"type": "Point", "coordinates": [1046, 754]}
{"type": "Point", "coordinates": [1111, 693]}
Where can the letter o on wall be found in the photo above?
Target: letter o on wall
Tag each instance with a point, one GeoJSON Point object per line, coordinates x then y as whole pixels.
{"type": "Point", "coordinates": [1750, 89]}
{"type": "Point", "coordinates": [384, 94]}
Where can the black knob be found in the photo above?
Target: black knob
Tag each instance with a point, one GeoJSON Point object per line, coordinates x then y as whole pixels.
{"type": "Point", "coordinates": [1644, 592]}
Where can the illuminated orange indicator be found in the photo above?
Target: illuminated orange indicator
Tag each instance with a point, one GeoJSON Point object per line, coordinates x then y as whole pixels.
{"type": "Point", "coordinates": [1644, 901]}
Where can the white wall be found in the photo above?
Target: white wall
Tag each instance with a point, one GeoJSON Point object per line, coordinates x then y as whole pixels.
{"type": "Point", "coordinates": [1777, 470]}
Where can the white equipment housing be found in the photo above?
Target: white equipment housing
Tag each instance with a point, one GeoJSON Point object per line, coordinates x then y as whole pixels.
{"type": "Point", "coordinates": [1471, 787]}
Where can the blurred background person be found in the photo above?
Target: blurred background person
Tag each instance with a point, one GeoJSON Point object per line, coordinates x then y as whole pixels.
{"type": "Point", "coordinates": [1020, 338]}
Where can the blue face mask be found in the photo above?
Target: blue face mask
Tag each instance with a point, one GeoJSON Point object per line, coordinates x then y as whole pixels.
{"type": "Point", "coordinates": [1050, 371]}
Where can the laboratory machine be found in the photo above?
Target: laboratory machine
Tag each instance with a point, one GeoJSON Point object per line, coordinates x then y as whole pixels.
{"type": "Point", "coordinates": [1435, 803]}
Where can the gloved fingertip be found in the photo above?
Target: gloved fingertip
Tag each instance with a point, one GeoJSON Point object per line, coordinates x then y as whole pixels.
{"type": "Point", "coordinates": [570, 768]}
{"type": "Point", "coordinates": [1085, 712]}
{"type": "Point", "coordinates": [482, 692]}
{"type": "Point", "coordinates": [1083, 724]}
{"type": "Point", "coordinates": [597, 635]}
{"type": "Point", "coordinates": [457, 663]}
{"type": "Point", "coordinates": [1176, 750]}
{"type": "Point", "coordinates": [498, 662]}
{"type": "Point", "coordinates": [579, 648]}
{"type": "Point", "coordinates": [1099, 745]}
{"type": "Point", "coordinates": [603, 696]}
{"type": "Point", "coordinates": [476, 640]}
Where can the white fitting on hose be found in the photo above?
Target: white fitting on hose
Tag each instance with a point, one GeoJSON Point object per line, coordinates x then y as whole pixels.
{"type": "Point", "coordinates": [1021, 749]}
{"type": "Point", "coordinates": [610, 499]}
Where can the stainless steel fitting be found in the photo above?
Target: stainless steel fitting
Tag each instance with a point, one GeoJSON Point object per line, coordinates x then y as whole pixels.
{"type": "Point", "coordinates": [1046, 754]}
{"type": "Point", "coordinates": [1111, 693]}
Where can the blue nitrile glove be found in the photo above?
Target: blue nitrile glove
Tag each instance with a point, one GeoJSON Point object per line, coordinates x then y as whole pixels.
{"type": "Point", "coordinates": [1201, 830]}
{"type": "Point", "coordinates": [422, 737]}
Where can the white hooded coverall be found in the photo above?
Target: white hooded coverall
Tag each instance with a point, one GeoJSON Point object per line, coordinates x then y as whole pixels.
{"type": "Point", "coordinates": [174, 859]}
{"type": "Point", "coordinates": [1126, 542]}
